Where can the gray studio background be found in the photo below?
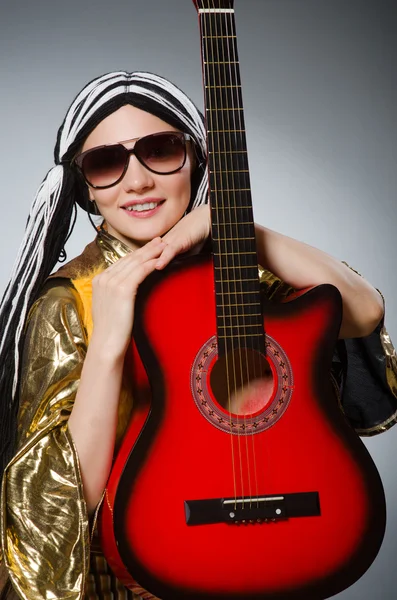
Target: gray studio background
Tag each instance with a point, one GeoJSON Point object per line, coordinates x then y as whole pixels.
{"type": "Point", "coordinates": [319, 84]}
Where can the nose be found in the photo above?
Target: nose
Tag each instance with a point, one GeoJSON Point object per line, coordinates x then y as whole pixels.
{"type": "Point", "coordinates": [137, 178]}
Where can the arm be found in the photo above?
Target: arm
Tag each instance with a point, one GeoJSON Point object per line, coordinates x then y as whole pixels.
{"type": "Point", "coordinates": [296, 263]}
{"type": "Point", "coordinates": [93, 420]}
{"type": "Point", "coordinates": [301, 266]}
{"type": "Point", "coordinates": [47, 487]}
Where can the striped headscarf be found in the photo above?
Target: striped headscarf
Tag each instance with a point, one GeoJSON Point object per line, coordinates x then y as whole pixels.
{"type": "Point", "coordinates": [50, 220]}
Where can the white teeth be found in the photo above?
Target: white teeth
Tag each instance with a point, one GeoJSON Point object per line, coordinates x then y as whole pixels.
{"type": "Point", "coordinates": [141, 207]}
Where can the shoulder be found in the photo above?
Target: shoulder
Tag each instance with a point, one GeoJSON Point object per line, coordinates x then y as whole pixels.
{"type": "Point", "coordinates": [60, 298]}
{"type": "Point", "coordinates": [56, 320]}
{"type": "Point", "coordinates": [57, 294]}
{"type": "Point", "coordinates": [90, 260]}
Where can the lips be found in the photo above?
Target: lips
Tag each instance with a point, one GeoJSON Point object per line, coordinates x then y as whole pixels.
{"type": "Point", "coordinates": [143, 208]}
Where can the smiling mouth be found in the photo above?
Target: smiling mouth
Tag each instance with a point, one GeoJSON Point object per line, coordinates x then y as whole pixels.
{"type": "Point", "coordinates": [145, 206]}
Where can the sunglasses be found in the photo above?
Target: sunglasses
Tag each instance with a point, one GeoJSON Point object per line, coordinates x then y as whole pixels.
{"type": "Point", "coordinates": [161, 153]}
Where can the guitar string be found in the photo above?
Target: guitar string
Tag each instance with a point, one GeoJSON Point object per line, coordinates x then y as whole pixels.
{"type": "Point", "coordinates": [238, 122]}
{"type": "Point", "coordinates": [209, 116]}
{"type": "Point", "coordinates": [261, 462]}
{"type": "Point", "coordinates": [230, 77]}
{"type": "Point", "coordinates": [229, 340]}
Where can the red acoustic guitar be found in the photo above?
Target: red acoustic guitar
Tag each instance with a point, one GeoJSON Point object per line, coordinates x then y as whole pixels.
{"type": "Point", "coordinates": [239, 477]}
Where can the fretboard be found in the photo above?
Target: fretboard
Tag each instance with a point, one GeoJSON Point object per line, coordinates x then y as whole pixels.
{"type": "Point", "coordinates": [239, 313]}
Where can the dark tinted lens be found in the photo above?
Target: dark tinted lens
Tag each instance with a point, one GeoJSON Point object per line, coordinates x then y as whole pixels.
{"type": "Point", "coordinates": [104, 166]}
{"type": "Point", "coordinates": [163, 152]}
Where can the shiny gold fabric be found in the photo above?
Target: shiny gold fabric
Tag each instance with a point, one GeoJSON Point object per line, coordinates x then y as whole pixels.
{"type": "Point", "coordinates": [45, 525]}
{"type": "Point", "coordinates": [44, 515]}
{"type": "Point", "coordinates": [390, 368]}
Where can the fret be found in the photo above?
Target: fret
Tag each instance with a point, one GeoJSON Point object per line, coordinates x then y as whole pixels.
{"type": "Point", "coordinates": [233, 285]}
{"type": "Point", "coordinates": [220, 172]}
{"type": "Point", "coordinates": [247, 319]}
{"type": "Point", "coordinates": [230, 180]}
{"type": "Point", "coordinates": [233, 276]}
{"type": "Point", "coordinates": [212, 110]}
{"type": "Point", "coordinates": [223, 73]}
{"type": "Point", "coordinates": [225, 78]}
{"type": "Point", "coordinates": [239, 230]}
{"type": "Point", "coordinates": [231, 253]}
{"type": "Point", "coordinates": [246, 240]}
{"type": "Point", "coordinates": [216, 10]}
{"type": "Point", "coordinates": [235, 246]}
{"type": "Point", "coordinates": [230, 278]}
{"type": "Point", "coordinates": [255, 321]}
{"type": "Point", "coordinates": [239, 266]}
{"type": "Point", "coordinates": [233, 190]}
{"type": "Point", "coordinates": [226, 118]}
{"type": "Point", "coordinates": [246, 335]}
{"type": "Point", "coordinates": [235, 293]}
{"type": "Point", "coordinates": [221, 104]}
{"type": "Point", "coordinates": [226, 130]}
{"type": "Point", "coordinates": [237, 208]}
{"type": "Point", "coordinates": [229, 289]}
{"type": "Point", "coordinates": [227, 239]}
{"type": "Point", "coordinates": [242, 304]}
{"type": "Point", "coordinates": [220, 37]}
{"type": "Point", "coordinates": [219, 22]}
{"type": "Point", "coordinates": [227, 141]}
{"type": "Point", "coordinates": [231, 264]}
{"type": "Point", "coordinates": [235, 267]}
{"type": "Point", "coordinates": [223, 95]}
{"type": "Point", "coordinates": [234, 212]}
{"type": "Point", "coordinates": [237, 280]}
{"type": "Point", "coordinates": [228, 137]}
{"type": "Point", "coordinates": [241, 326]}
{"type": "Point", "coordinates": [233, 171]}
{"type": "Point", "coordinates": [236, 223]}
{"type": "Point", "coordinates": [225, 62]}
{"type": "Point", "coordinates": [229, 152]}
{"type": "Point", "coordinates": [239, 315]}
{"type": "Point", "coordinates": [225, 164]}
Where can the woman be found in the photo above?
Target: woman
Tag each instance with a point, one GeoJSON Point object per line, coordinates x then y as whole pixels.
{"type": "Point", "coordinates": [73, 328]}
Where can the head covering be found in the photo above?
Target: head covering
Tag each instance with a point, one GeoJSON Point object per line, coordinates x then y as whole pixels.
{"type": "Point", "coordinates": [50, 220]}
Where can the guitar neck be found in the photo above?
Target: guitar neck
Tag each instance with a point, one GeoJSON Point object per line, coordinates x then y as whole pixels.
{"type": "Point", "coordinates": [239, 313]}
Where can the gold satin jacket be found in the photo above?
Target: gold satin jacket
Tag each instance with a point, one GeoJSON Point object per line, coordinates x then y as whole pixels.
{"type": "Point", "coordinates": [49, 544]}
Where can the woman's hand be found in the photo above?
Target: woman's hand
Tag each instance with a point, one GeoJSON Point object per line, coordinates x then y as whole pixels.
{"type": "Point", "coordinates": [190, 232]}
{"type": "Point", "coordinates": [113, 298]}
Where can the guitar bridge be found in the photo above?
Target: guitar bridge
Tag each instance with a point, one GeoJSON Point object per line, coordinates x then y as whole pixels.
{"type": "Point", "coordinates": [257, 509]}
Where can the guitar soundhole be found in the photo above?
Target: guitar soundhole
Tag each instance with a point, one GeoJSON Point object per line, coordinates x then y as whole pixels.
{"type": "Point", "coordinates": [242, 382]}
{"type": "Point", "coordinates": [243, 393]}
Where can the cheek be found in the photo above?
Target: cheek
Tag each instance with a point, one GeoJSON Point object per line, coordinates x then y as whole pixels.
{"type": "Point", "coordinates": [182, 184]}
{"type": "Point", "coordinates": [104, 198]}
{"type": "Point", "coordinates": [183, 190]}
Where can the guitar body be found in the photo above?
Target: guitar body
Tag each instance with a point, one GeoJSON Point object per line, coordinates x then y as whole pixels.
{"type": "Point", "coordinates": [296, 453]}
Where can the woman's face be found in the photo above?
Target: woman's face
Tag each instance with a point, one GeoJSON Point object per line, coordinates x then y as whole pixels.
{"type": "Point", "coordinates": [170, 193]}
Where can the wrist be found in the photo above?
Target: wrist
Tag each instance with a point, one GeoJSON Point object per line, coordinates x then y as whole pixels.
{"type": "Point", "coordinates": [105, 352]}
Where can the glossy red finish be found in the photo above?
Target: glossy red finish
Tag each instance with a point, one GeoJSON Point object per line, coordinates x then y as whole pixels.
{"type": "Point", "coordinates": [311, 448]}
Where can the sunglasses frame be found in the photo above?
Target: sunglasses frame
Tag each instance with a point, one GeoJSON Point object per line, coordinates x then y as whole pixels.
{"type": "Point", "coordinates": [78, 160]}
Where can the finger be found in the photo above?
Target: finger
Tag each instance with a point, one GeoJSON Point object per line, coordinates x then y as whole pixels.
{"type": "Point", "coordinates": [169, 252]}
{"type": "Point", "coordinates": [127, 263]}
